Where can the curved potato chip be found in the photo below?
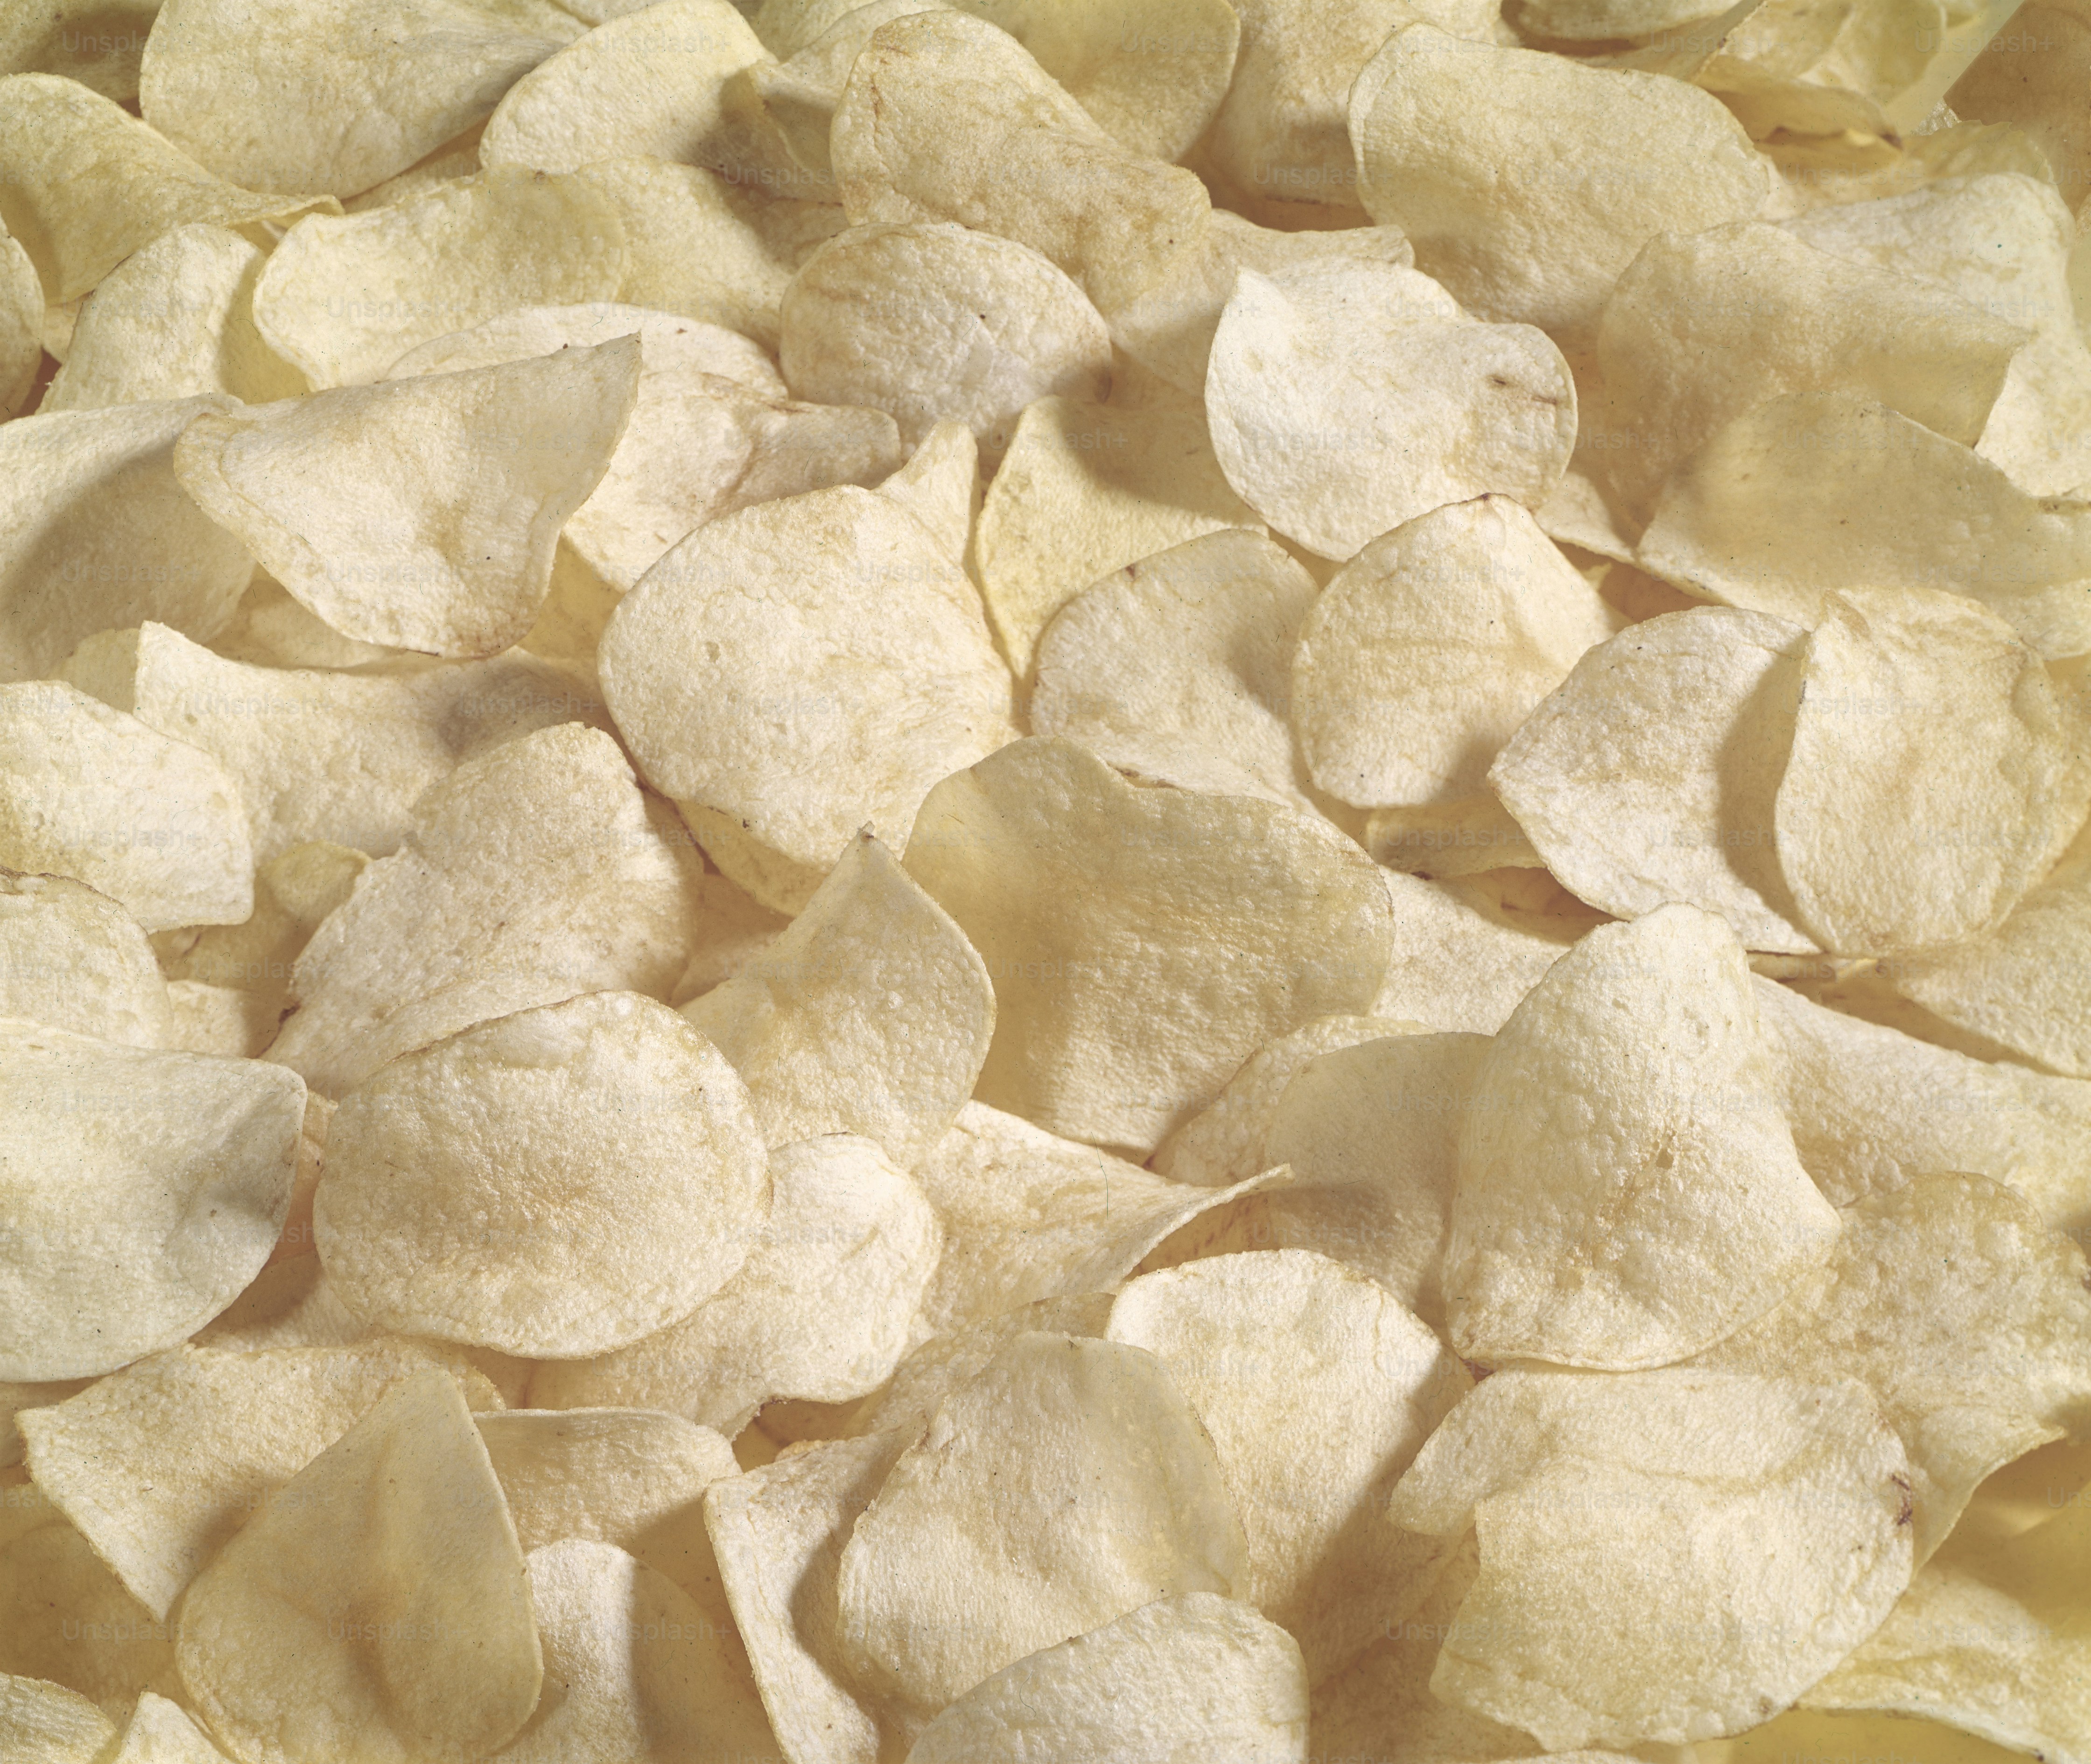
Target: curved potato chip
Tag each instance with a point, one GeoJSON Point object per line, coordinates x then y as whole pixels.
{"type": "Point", "coordinates": [1933, 779]}
{"type": "Point", "coordinates": [93, 41]}
{"type": "Point", "coordinates": [419, 513]}
{"type": "Point", "coordinates": [1268, 1346]}
{"type": "Point", "coordinates": [97, 533]}
{"type": "Point", "coordinates": [1335, 431]}
{"type": "Point", "coordinates": [958, 1355]}
{"type": "Point", "coordinates": [536, 871]}
{"type": "Point", "coordinates": [869, 1014]}
{"type": "Point", "coordinates": [2029, 77]}
{"type": "Point", "coordinates": [1427, 649]}
{"type": "Point", "coordinates": [65, 1618]}
{"type": "Point", "coordinates": [45, 1724]}
{"type": "Point", "coordinates": [73, 959]}
{"type": "Point", "coordinates": [1651, 774]}
{"type": "Point", "coordinates": [1527, 183]}
{"type": "Point", "coordinates": [344, 297]}
{"type": "Point", "coordinates": [21, 325]}
{"type": "Point", "coordinates": [940, 487]}
{"type": "Point", "coordinates": [648, 82]}
{"type": "Point", "coordinates": [318, 1634]}
{"type": "Point", "coordinates": [161, 1732]}
{"type": "Point", "coordinates": [1197, 1671]}
{"type": "Point", "coordinates": [820, 1311]}
{"type": "Point", "coordinates": [1070, 1483]}
{"type": "Point", "coordinates": [1465, 951]}
{"type": "Point", "coordinates": [790, 105]}
{"type": "Point", "coordinates": [1642, 1199]}
{"type": "Point", "coordinates": [931, 322]}
{"type": "Point", "coordinates": [544, 331]}
{"type": "Point", "coordinates": [554, 1183]}
{"type": "Point", "coordinates": [224, 1020]}
{"type": "Point", "coordinates": [1142, 942]}
{"type": "Point", "coordinates": [883, 681]}
{"type": "Point", "coordinates": [1445, 841]}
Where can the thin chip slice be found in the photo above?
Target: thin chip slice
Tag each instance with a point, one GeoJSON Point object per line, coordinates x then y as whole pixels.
{"type": "Point", "coordinates": [161, 1732]}
{"type": "Point", "coordinates": [41, 1723]}
{"type": "Point", "coordinates": [1197, 1670]}
{"type": "Point", "coordinates": [65, 1618]}
{"type": "Point", "coordinates": [1733, 1539]}
{"type": "Point", "coordinates": [378, 1606]}
{"type": "Point", "coordinates": [73, 959]}
{"type": "Point", "coordinates": [553, 1183]}
{"type": "Point", "coordinates": [1334, 430]}
{"type": "Point", "coordinates": [419, 513]}
{"type": "Point", "coordinates": [1465, 951]}
{"type": "Point", "coordinates": [1070, 1483]}
{"type": "Point", "coordinates": [940, 485]}
{"type": "Point", "coordinates": [665, 340]}
{"type": "Point", "coordinates": [1650, 775]}
{"type": "Point", "coordinates": [1645, 1200]}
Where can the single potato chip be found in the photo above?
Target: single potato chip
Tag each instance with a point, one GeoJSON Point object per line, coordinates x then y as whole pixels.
{"type": "Point", "coordinates": [72, 959]}
{"type": "Point", "coordinates": [41, 1723]}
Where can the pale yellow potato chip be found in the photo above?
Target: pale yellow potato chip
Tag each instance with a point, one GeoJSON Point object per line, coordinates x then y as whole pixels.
{"type": "Point", "coordinates": [1336, 432]}
{"type": "Point", "coordinates": [869, 1014]}
{"type": "Point", "coordinates": [553, 1183]}
{"type": "Point", "coordinates": [940, 485]}
{"type": "Point", "coordinates": [648, 82]}
{"type": "Point", "coordinates": [1143, 943]}
{"type": "Point", "coordinates": [271, 630]}
{"type": "Point", "coordinates": [161, 1732]}
{"type": "Point", "coordinates": [375, 1606]}
{"type": "Point", "coordinates": [2030, 76]}
{"type": "Point", "coordinates": [224, 1020]}
{"type": "Point", "coordinates": [821, 1310]}
{"type": "Point", "coordinates": [335, 95]}
{"type": "Point", "coordinates": [338, 757]}
{"type": "Point", "coordinates": [1467, 836]}
{"type": "Point", "coordinates": [93, 41]}
{"type": "Point", "coordinates": [456, 159]}
{"type": "Point", "coordinates": [72, 959]}
{"type": "Point", "coordinates": [173, 321]}
{"type": "Point", "coordinates": [1462, 958]}
{"type": "Point", "coordinates": [1028, 1217]}
{"type": "Point", "coordinates": [422, 512]}
{"type": "Point", "coordinates": [1200, 1674]}
{"type": "Point", "coordinates": [1068, 1484]}
{"type": "Point", "coordinates": [1427, 649]}
{"type": "Point", "coordinates": [536, 871]}
{"type": "Point", "coordinates": [666, 341]}
{"type": "Point", "coordinates": [41, 1723]}
{"type": "Point", "coordinates": [97, 533]}
{"type": "Point", "coordinates": [790, 104]}
{"type": "Point", "coordinates": [1732, 1538]}
{"type": "Point", "coordinates": [930, 322]}
{"type": "Point", "coordinates": [160, 1464]}
{"type": "Point", "coordinates": [1650, 774]}
{"type": "Point", "coordinates": [1641, 1198]}
{"type": "Point", "coordinates": [1527, 183]}
{"type": "Point", "coordinates": [59, 137]}
{"type": "Point", "coordinates": [1595, 21]}
{"type": "Point", "coordinates": [21, 1505]}
{"type": "Point", "coordinates": [66, 1619]}
{"type": "Point", "coordinates": [733, 929]}
{"type": "Point", "coordinates": [1269, 1347]}
{"type": "Point", "coordinates": [342, 298]}
{"type": "Point", "coordinates": [957, 1355]}
{"type": "Point", "coordinates": [1703, 329]}
{"type": "Point", "coordinates": [1188, 649]}
{"type": "Point", "coordinates": [1086, 490]}
{"type": "Point", "coordinates": [1934, 776]}
{"type": "Point", "coordinates": [882, 680]}
{"type": "Point", "coordinates": [1826, 170]}
{"type": "Point", "coordinates": [21, 325]}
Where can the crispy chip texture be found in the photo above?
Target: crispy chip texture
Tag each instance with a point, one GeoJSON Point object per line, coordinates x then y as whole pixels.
{"type": "Point", "coordinates": [1732, 1538]}
{"type": "Point", "coordinates": [73, 958]}
{"type": "Point", "coordinates": [1070, 1483]}
{"type": "Point", "coordinates": [41, 1723]}
{"type": "Point", "coordinates": [21, 325]}
{"type": "Point", "coordinates": [1196, 1671]}
{"type": "Point", "coordinates": [161, 1732]}
{"type": "Point", "coordinates": [420, 513]}
{"type": "Point", "coordinates": [1348, 397]}
{"type": "Point", "coordinates": [377, 1608]}
{"type": "Point", "coordinates": [1142, 942]}
{"type": "Point", "coordinates": [1628, 1191]}
{"type": "Point", "coordinates": [554, 1183]}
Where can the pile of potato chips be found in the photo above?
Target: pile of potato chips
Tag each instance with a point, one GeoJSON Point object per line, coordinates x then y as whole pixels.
{"type": "Point", "coordinates": [1045, 881]}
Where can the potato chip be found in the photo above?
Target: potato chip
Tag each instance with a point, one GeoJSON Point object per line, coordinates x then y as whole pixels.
{"type": "Point", "coordinates": [1527, 184]}
{"type": "Point", "coordinates": [666, 342]}
{"type": "Point", "coordinates": [335, 95]}
{"type": "Point", "coordinates": [1466, 836]}
{"type": "Point", "coordinates": [798, 741]}
{"type": "Point", "coordinates": [73, 959]}
{"type": "Point", "coordinates": [1650, 774]}
{"type": "Point", "coordinates": [343, 298]}
{"type": "Point", "coordinates": [14, 1397]}
{"type": "Point", "coordinates": [224, 1020]}
{"type": "Point", "coordinates": [41, 1723]}
{"type": "Point", "coordinates": [1197, 1670]}
{"type": "Point", "coordinates": [940, 485]}
{"type": "Point", "coordinates": [60, 137]}
{"type": "Point", "coordinates": [448, 492]}
{"type": "Point", "coordinates": [1734, 1537]}
{"type": "Point", "coordinates": [930, 322]}
{"type": "Point", "coordinates": [536, 871]}
{"type": "Point", "coordinates": [1191, 648]}
{"type": "Point", "coordinates": [1622, 1222]}
{"type": "Point", "coordinates": [161, 1732]}
{"type": "Point", "coordinates": [65, 1618]}
{"type": "Point", "coordinates": [271, 629]}
{"type": "Point", "coordinates": [1460, 960]}
{"type": "Point", "coordinates": [95, 42]}
{"type": "Point", "coordinates": [733, 929]}
{"type": "Point", "coordinates": [1084, 491]}
{"type": "Point", "coordinates": [821, 1310]}
{"type": "Point", "coordinates": [1266, 1346]}
{"type": "Point", "coordinates": [1934, 777]}
{"type": "Point", "coordinates": [317, 1634]}
{"type": "Point", "coordinates": [1142, 942]}
{"type": "Point", "coordinates": [21, 325]}
{"type": "Point", "coordinates": [646, 84]}
{"type": "Point", "coordinates": [553, 1183]}
{"type": "Point", "coordinates": [958, 1355]}
{"type": "Point", "coordinates": [97, 533]}
{"type": "Point", "coordinates": [1427, 649]}
{"type": "Point", "coordinates": [1334, 435]}
{"type": "Point", "coordinates": [1070, 1483]}
{"type": "Point", "coordinates": [2029, 76]}
{"type": "Point", "coordinates": [1028, 1217]}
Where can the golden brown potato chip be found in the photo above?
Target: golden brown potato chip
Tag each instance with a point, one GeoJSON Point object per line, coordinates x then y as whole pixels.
{"type": "Point", "coordinates": [73, 959]}
{"type": "Point", "coordinates": [41, 1723]}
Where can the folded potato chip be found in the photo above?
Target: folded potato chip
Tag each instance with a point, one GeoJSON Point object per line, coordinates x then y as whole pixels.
{"type": "Point", "coordinates": [1732, 1539]}
{"type": "Point", "coordinates": [41, 1723]}
{"type": "Point", "coordinates": [419, 513]}
{"type": "Point", "coordinates": [72, 959]}
{"type": "Point", "coordinates": [788, 107]}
